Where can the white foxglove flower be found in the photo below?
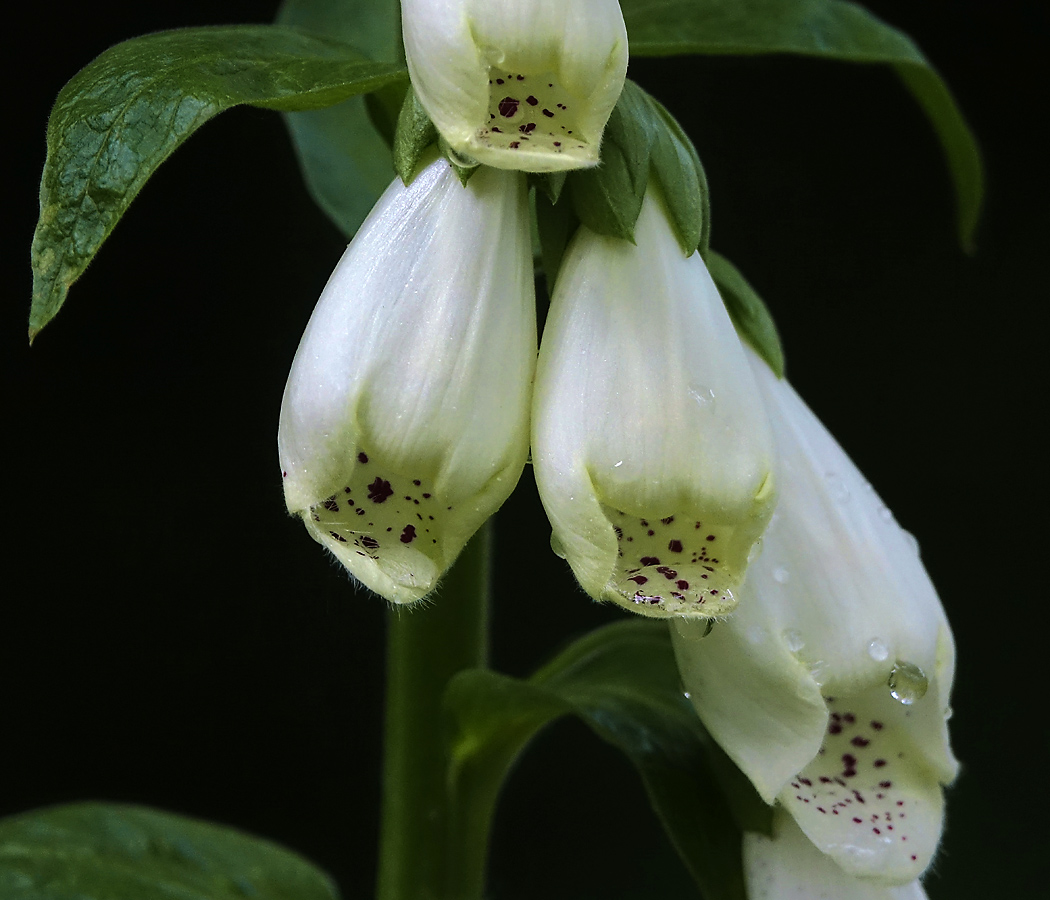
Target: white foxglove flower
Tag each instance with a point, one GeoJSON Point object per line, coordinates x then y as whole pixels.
{"type": "Point", "coordinates": [788, 867]}
{"type": "Point", "coordinates": [651, 447]}
{"type": "Point", "coordinates": [404, 423]}
{"type": "Point", "coordinates": [829, 687]}
{"type": "Point", "coordinates": [518, 84]}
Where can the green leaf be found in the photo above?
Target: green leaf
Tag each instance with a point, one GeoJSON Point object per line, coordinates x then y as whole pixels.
{"type": "Point", "coordinates": [122, 115]}
{"type": "Point", "coordinates": [99, 851]}
{"type": "Point", "coordinates": [345, 163]}
{"type": "Point", "coordinates": [623, 682]}
{"type": "Point", "coordinates": [750, 315]}
{"type": "Point", "coordinates": [829, 29]}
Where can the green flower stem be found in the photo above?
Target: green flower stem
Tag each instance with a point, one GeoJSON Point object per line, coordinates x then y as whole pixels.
{"type": "Point", "coordinates": [420, 857]}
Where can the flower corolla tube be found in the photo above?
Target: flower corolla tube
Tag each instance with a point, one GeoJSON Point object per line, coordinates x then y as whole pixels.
{"type": "Point", "coordinates": [404, 423]}
{"type": "Point", "coordinates": [829, 686]}
{"type": "Point", "coordinates": [651, 448]}
{"type": "Point", "coordinates": [518, 84]}
{"type": "Point", "coordinates": [787, 866]}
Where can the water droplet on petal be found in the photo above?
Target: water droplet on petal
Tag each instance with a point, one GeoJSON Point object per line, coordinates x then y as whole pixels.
{"type": "Point", "coordinates": [907, 683]}
{"type": "Point", "coordinates": [617, 465]}
{"type": "Point", "coordinates": [948, 713]}
{"type": "Point", "coordinates": [886, 514]}
{"type": "Point", "coordinates": [878, 650]}
{"type": "Point", "coordinates": [755, 552]}
{"type": "Point", "coordinates": [557, 547]}
{"type": "Point", "coordinates": [781, 575]}
{"type": "Point", "coordinates": [793, 640]}
{"type": "Point", "coordinates": [817, 671]}
{"type": "Point", "coordinates": [912, 540]}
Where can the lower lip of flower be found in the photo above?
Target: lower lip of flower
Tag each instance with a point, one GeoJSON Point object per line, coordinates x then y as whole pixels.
{"type": "Point", "coordinates": [671, 566]}
{"type": "Point", "coordinates": [393, 520]}
{"type": "Point", "coordinates": [531, 113]}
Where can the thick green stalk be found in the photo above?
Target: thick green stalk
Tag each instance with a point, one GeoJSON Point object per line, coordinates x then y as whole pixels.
{"type": "Point", "coordinates": [419, 859]}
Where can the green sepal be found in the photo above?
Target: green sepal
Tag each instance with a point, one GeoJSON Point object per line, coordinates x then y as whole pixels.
{"type": "Point", "coordinates": [550, 183]}
{"type": "Point", "coordinates": [827, 29]}
{"type": "Point", "coordinates": [415, 132]}
{"type": "Point", "coordinates": [122, 115]}
{"type": "Point", "coordinates": [677, 167]}
{"type": "Point", "coordinates": [91, 851]}
{"type": "Point", "coordinates": [555, 225]}
{"type": "Point", "coordinates": [749, 313]}
{"type": "Point", "coordinates": [621, 681]}
{"type": "Point", "coordinates": [642, 138]}
{"type": "Point", "coordinates": [608, 198]}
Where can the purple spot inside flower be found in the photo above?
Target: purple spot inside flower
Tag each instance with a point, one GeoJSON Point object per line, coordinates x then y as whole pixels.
{"type": "Point", "coordinates": [379, 491]}
{"type": "Point", "coordinates": [507, 107]}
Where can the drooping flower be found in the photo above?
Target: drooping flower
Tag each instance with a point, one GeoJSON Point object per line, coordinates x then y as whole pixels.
{"type": "Point", "coordinates": [404, 423]}
{"type": "Point", "coordinates": [651, 448]}
{"type": "Point", "coordinates": [518, 84]}
{"type": "Point", "coordinates": [787, 866]}
{"type": "Point", "coordinates": [830, 684]}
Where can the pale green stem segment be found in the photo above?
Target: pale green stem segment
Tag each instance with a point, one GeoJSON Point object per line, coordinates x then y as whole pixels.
{"type": "Point", "coordinates": [426, 850]}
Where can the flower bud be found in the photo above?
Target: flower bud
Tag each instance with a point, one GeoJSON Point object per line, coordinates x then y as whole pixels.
{"type": "Point", "coordinates": [651, 448]}
{"type": "Point", "coordinates": [518, 84]}
{"type": "Point", "coordinates": [829, 686]}
{"type": "Point", "coordinates": [404, 423]}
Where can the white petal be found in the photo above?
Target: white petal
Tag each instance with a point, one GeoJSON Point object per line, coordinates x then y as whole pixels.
{"type": "Point", "coordinates": [795, 685]}
{"type": "Point", "coordinates": [404, 423]}
{"type": "Point", "coordinates": [788, 867]}
{"type": "Point", "coordinates": [650, 445]}
{"type": "Point", "coordinates": [518, 84]}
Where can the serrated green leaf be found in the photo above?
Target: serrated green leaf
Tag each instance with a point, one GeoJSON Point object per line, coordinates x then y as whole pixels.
{"type": "Point", "coordinates": [100, 851]}
{"type": "Point", "coordinates": [415, 132]}
{"type": "Point", "coordinates": [623, 682]}
{"type": "Point", "coordinates": [345, 163]}
{"type": "Point", "coordinates": [122, 115]}
{"type": "Point", "coordinates": [750, 316]}
{"type": "Point", "coordinates": [829, 29]}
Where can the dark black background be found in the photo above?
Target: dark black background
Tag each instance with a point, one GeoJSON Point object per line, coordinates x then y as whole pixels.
{"type": "Point", "coordinates": [169, 636]}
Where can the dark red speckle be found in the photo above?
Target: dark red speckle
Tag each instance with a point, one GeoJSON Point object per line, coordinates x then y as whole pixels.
{"type": "Point", "coordinates": [507, 107]}
{"type": "Point", "coordinates": [370, 542]}
{"type": "Point", "coordinates": [409, 534]}
{"type": "Point", "coordinates": [675, 546]}
{"type": "Point", "coordinates": [362, 457]}
{"type": "Point", "coordinates": [379, 491]}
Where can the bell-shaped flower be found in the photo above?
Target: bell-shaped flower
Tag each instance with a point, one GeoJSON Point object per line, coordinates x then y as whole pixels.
{"type": "Point", "coordinates": [829, 686]}
{"type": "Point", "coordinates": [787, 866]}
{"type": "Point", "coordinates": [651, 447]}
{"type": "Point", "coordinates": [404, 423]}
{"type": "Point", "coordinates": [518, 84]}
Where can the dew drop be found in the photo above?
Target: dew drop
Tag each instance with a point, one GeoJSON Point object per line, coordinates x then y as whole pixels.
{"type": "Point", "coordinates": [818, 671]}
{"type": "Point", "coordinates": [885, 514]}
{"type": "Point", "coordinates": [557, 546]}
{"type": "Point", "coordinates": [617, 465]}
{"type": "Point", "coordinates": [907, 683]}
{"type": "Point", "coordinates": [912, 540]}
{"type": "Point", "coordinates": [948, 713]}
{"type": "Point", "coordinates": [781, 575]}
{"type": "Point", "coordinates": [755, 552]}
{"type": "Point", "coordinates": [793, 639]}
{"type": "Point", "coordinates": [687, 695]}
{"type": "Point", "coordinates": [878, 650]}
